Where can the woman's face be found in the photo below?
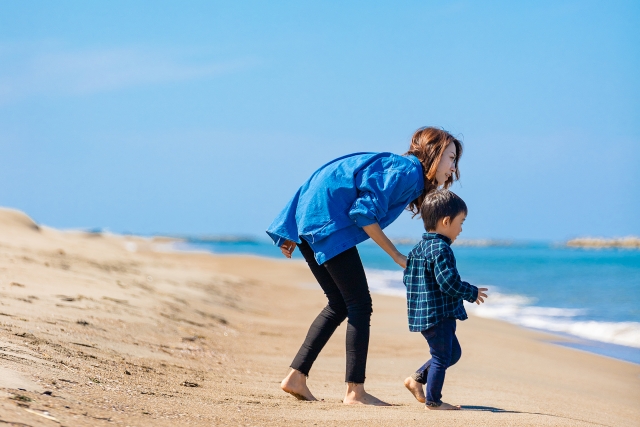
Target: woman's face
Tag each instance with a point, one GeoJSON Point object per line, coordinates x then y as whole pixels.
{"type": "Point", "coordinates": [447, 165]}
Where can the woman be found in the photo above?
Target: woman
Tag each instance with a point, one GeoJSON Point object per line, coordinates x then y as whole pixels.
{"type": "Point", "coordinates": [345, 202]}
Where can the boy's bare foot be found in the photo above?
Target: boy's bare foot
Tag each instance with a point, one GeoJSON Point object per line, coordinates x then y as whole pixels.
{"type": "Point", "coordinates": [357, 396]}
{"type": "Point", "coordinates": [296, 385]}
{"type": "Point", "coordinates": [415, 388]}
{"type": "Point", "coordinates": [443, 407]}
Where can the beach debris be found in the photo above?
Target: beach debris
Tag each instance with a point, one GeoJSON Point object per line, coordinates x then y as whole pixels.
{"type": "Point", "coordinates": [43, 414]}
{"type": "Point", "coordinates": [20, 285]}
{"type": "Point", "coordinates": [189, 384]}
{"type": "Point", "coordinates": [119, 301]}
{"type": "Point", "coordinates": [48, 393]}
{"type": "Point", "coordinates": [178, 319]}
{"type": "Point", "coordinates": [95, 380]}
{"type": "Point", "coordinates": [83, 345]}
{"type": "Point", "coordinates": [86, 414]}
{"type": "Point", "coordinates": [127, 372]}
{"type": "Point", "coordinates": [82, 322]}
{"type": "Point", "coordinates": [26, 335]}
{"type": "Point", "coordinates": [21, 398]}
{"type": "Point", "coordinates": [213, 316]}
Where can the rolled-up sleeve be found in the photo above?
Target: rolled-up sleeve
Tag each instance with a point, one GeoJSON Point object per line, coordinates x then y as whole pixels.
{"type": "Point", "coordinates": [374, 191]}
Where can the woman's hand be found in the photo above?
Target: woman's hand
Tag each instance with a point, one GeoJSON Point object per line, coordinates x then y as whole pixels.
{"type": "Point", "coordinates": [377, 235]}
{"type": "Point", "coordinates": [401, 260]}
{"type": "Point", "coordinates": [287, 248]}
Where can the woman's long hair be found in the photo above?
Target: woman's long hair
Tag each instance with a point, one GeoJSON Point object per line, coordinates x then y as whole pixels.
{"type": "Point", "coordinates": [428, 144]}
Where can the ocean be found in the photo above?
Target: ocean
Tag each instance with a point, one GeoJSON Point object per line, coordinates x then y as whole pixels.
{"type": "Point", "coordinates": [589, 298]}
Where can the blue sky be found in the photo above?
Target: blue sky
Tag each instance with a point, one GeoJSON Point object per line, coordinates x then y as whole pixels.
{"type": "Point", "coordinates": [204, 118]}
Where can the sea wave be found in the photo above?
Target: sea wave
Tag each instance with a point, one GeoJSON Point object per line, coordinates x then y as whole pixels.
{"type": "Point", "coordinates": [563, 320]}
{"type": "Point", "coordinates": [386, 282]}
{"type": "Point", "coordinates": [520, 310]}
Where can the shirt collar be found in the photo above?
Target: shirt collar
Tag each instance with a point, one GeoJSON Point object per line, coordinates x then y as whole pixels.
{"type": "Point", "coordinates": [430, 236]}
{"type": "Point", "coordinates": [416, 162]}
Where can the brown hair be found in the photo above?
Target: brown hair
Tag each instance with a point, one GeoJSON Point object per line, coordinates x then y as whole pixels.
{"type": "Point", "coordinates": [428, 144]}
{"type": "Point", "coordinates": [440, 204]}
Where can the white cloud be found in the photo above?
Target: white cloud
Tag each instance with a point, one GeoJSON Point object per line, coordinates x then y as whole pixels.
{"type": "Point", "coordinates": [61, 72]}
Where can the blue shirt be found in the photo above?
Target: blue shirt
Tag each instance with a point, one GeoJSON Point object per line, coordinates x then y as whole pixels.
{"type": "Point", "coordinates": [434, 288]}
{"type": "Point", "coordinates": [341, 197]}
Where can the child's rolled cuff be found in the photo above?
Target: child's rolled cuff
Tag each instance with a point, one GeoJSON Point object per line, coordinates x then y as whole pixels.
{"type": "Point", "coordinates": [420, 377]}
{"type": "Point", "coordinates": [474, 292]}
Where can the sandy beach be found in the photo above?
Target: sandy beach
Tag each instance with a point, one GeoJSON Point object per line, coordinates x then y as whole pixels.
{"type": "Point", "coordinates": [99, 329]}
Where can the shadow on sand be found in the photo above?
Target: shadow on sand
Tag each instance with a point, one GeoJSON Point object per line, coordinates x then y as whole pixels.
{"type": "Point", "coordinates": [504, 411]}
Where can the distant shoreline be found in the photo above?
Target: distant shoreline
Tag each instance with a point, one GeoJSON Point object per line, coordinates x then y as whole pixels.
{"type": "Point", "coordinates": [630, 242]}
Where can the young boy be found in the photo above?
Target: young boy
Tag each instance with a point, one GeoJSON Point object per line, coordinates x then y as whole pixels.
{"type": "Point", "coordinates": [435, 293]}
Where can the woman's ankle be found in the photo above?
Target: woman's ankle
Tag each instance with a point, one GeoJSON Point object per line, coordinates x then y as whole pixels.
{"type": "Point", "coordinates": [295, 383]}
{"type": "Point", "coordinates": [355, 387]}
{"type": "Point", "coordinates": [357, 395]}
{"type": "Point", "coordinates": [294, 378]}
{"type": "Point", "coordinates": [355, 391]}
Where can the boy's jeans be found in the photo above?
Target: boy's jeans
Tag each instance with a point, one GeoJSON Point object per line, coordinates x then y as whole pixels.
{"type": "Point", "coordinates": [445, 351]}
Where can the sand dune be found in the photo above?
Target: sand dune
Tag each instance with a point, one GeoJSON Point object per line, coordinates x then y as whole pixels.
{"type": "Point", "coordinates": [99, 329]}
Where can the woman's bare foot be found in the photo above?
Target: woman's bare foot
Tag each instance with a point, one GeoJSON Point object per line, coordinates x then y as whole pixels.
{"type": "Point", "coordinates": [356, 395]}
{"type": "Point", "coordinates": [296, 385]}
{"type": "Point", "coordinates": [415, 388]}
{"type": "Point", "coordinates": [443, 407]}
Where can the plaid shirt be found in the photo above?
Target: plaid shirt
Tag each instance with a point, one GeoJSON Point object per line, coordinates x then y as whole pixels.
{"type": "Point", "coordinates": [434, 288]}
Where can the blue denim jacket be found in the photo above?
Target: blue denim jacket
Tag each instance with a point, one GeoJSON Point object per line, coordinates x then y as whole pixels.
{"type": "Point", "coordinates": [341, 197]}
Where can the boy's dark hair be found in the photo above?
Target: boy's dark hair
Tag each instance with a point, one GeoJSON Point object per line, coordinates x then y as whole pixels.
{"type": "Point", "coordinates": [439, 204]}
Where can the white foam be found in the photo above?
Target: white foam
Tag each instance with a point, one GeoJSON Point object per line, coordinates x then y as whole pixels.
{"type": "Point", "coordinates": [386, 282]}
{"type": "Point", "coordinates": [559, 320]}
{"type": "Point", "coordinates": [519, 310]}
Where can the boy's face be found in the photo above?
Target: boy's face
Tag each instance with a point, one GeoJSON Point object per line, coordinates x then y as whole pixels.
{"type": "Point", "coordinates": [451, 228]}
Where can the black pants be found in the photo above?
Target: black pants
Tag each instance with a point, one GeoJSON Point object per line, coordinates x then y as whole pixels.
{"type": "Point", "coordinates": [344, 283]}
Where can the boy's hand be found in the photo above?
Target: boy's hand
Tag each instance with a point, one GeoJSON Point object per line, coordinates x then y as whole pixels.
{"type": "Point", "coordinates": [481, 295]}
{"type": "Point", "coordinates": [287, 248]}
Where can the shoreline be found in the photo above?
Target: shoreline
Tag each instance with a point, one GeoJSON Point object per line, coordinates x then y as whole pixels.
{"type": "Point", "coordinates": [620, 352]}
{"type": "Point", "coordinates": [602, 349]}
{"type": "Point", "coordinates": [94, 334]}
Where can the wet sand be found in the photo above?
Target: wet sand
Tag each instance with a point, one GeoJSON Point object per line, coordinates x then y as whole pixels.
{"type": "Point", "coordinates": [110, 330]}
